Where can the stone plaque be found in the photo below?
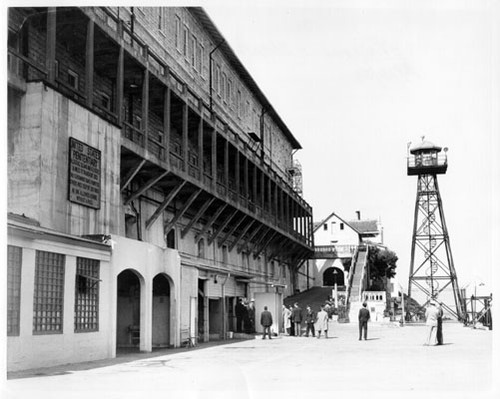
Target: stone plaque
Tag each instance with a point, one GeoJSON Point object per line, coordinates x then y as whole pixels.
{"type": "Point", "coordinates": [84, 174]}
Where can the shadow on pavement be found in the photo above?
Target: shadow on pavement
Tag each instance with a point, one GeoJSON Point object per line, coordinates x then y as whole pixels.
{"type": "Point", "coordinates": [122, 356]}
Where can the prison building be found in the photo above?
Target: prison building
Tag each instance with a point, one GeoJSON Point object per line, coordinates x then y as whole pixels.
{"type": "Point", "coordinates": [150, 184]}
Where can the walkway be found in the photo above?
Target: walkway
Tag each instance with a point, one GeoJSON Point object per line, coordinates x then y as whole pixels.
{"type": "Point", "coordinates": [392, 360]}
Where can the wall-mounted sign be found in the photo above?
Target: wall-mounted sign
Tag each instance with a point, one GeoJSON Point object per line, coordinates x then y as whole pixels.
{"type": "Point", "coordinates": [84, 174]}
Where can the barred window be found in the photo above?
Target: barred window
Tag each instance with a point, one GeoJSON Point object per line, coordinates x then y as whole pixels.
{"type": "Point", "coordinates": [87, 295]}
{"type": "Point", "coordinates": [49, 293]}
{"type": "Point", "coordinates": [14, 262]}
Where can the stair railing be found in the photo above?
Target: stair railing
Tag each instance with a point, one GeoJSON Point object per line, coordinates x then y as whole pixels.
{"type": "Point", "coordinates": [350, 277]}
{"type": "Point", "coordinates": [363, 273]}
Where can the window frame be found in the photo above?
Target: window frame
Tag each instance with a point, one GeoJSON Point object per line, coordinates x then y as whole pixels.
{"type": "Point", "coordinates": [45, 308]}
{"type": "Point", "coordinates": [87, 280]}
{"type": "Point", "coordinates": [14, 280]}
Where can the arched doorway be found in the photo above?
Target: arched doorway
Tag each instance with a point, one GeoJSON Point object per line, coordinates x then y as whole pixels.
{"type": "Point", "coordinates": [161, 311]}
{"type": "Point", "coordinates": [128, 312]}
{"type": "Point", "coordinates": [332, 276]}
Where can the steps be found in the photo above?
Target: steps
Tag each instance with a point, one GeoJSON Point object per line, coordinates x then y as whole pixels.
{"type": "Point", "coordinates": [357, 281]}
{"type": "Point", "coordinates": [314, 297]}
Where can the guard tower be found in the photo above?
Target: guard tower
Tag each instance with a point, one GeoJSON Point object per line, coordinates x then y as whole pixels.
{"type": "Point", "coordinates": [431, 268]}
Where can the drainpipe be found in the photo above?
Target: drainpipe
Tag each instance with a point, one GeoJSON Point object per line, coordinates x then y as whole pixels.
{"type": "Point", "coordinates": [224, 307]}
{"type": "Point", "coordinates": [210, 74]}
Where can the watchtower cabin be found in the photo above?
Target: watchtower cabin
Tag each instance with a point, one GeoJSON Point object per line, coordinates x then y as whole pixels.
{"type": "Point", "coordinates": [426, 159]}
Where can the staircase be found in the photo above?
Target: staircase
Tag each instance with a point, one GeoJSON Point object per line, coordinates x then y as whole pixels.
{"type": "Point", "coordinates": [314, 297]}
{"type": "Point", "coordinates": [353, 301]}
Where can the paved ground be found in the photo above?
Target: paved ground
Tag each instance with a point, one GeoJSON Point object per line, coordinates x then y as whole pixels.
{"type": "Point", "coordinates": [393, 363]}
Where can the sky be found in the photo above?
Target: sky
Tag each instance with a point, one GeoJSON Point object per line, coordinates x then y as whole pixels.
{"type": "Point", "coordinates": [356, 81]}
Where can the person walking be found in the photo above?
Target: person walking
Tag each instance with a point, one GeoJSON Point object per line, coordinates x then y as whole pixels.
{"type": "Point", "coordinates": [297, 319]}
{"type": "Point", "coordinates": [431, 317]}
{"type": "Point", "coordinates": [287, 313]}
{"type": "Point", "coordinates": [439, 331]}
{"type": "Point", "coordinates": [266, 321]}
{"type": "Point", "coordinates": [310, 320]}
{"type": "Point", "coordinates": [363, 317]}
{"type": "Point", "coordinates": [322, 322]}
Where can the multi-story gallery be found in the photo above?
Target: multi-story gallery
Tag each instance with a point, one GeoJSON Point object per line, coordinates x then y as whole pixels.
{"type": "Point", "coordinates": [150, 184]}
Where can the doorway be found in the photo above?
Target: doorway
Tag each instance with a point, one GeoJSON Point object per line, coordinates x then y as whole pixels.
{"type": "Point", "coordinates": [128, 310]}
{"type": "Point", "coordinates": [161, 312]}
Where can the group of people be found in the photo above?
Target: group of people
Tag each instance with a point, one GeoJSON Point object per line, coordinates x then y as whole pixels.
{"type": "Point", "coordinates": [317, 323]}
{"type": "Point", "coordinates": [245, 316]}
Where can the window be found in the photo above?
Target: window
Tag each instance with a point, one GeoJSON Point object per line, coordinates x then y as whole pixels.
{"type": "Point", "coordinates": [238, 104]}
{"type": "Point", "coordinates": [87, 295]}
{"type": "Point", "coordinates": [217, 79]}
{"type": "Point", "coordinates": [224, 254]}
{"type": "Point", "coordinates": [199, 58]}
{"type": "Point", "coordinates": [341, 226]}
{"type": "Point", "coordinates": [201, 248]}
{"type": "Point", "coordinates": [73, 79]}
{"type": "Point", "coordinates": [14, 263]}
{"type": "Point", "coordinates": [162, 19]}
{"type": "Point", "coordinates": [192, 50]}
{"type": "Point", "coordinates": [223, 86]}
{"type": "Point", "coordinates": [178, 32]}
{"type": "Point", "coordinates": [325, 226]}
{"type": "Point", "coordinates": [229, 89]}
{"type": "Point", "coordinates": [105, 101]}
{"type": "Point", "coordinates": [49, 293]}
{"type": "Point", "coordinates": [197, 65]}
{"type": "Point", "coordinates": [185, 35]}
{"type": "Point", "coordinates": [171, 239]}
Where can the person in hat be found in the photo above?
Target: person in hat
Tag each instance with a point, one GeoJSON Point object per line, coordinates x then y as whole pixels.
{"type": "Point", "coordinates": [431, 317]}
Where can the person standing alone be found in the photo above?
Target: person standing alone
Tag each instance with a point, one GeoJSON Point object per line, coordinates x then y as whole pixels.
{"type": "Point", "coordinates": [431, 316]}
{"type": "Point", "coordinates": [363, 317]}
{"type": "Point", "coordinates": [266, 321]}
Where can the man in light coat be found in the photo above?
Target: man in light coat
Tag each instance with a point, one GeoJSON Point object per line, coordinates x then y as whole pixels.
{"type": "Point", "coordinates": [287, 313]}
{"type": "Point", "coordinates": [322, 322]}
{"type": "Point", "coordinates": [431, 317]}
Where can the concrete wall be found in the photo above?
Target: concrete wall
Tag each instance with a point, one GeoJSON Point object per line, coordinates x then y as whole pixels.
{"type": "Point", "coordinates": [38, 163]}
{"type": "Point", "coordinates": [32, 351]}
{"type": "Point", "coordinates": [148, 260]}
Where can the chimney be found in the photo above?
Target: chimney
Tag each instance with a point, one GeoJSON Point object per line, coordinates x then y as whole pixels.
{"type": "Point", "coordinates": [359, 214]}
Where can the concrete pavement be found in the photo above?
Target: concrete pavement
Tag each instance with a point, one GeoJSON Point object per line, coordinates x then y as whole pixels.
{"type": "Point", "coordinates": [391, 362]}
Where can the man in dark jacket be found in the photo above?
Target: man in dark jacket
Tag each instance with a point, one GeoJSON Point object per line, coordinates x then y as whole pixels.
{"type": "Point", "coordinates": [266, 321]}
{"type": "Point", "coordinates": [297, 319]}
{"type": "Point", "coordinates": [310, 320]}
{"type": "Point", "coordinates": [363, 317]}
{"type": "Point", "coordinates": [240, 311]}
